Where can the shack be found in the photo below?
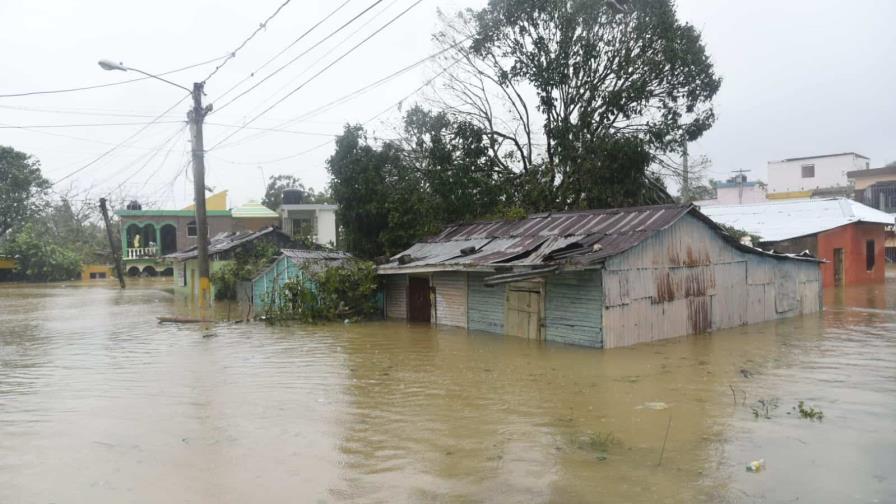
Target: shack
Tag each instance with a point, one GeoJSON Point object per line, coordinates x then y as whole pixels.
{"type": "Point", "coordinates": [221, 250]}
{"type": "Point", "coordinates": [292, 264]}
{"type": "Point", "coordinates": [600, 278]}
{"type": "Point", "coordinates": [850, 236]}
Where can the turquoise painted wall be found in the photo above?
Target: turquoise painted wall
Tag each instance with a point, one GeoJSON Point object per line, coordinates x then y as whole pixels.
{"type": "Point", "coordinates": [485, 310]}
{"type": "Point", "coordinates": [574, 308]}
{"type": "Point", "coordinates": [266, 284]}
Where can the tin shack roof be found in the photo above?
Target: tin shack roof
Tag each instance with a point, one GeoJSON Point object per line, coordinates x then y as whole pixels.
{"type": "Point", "coordinates": [571, 238]}
{"type": "Point", "coordinates": [794, 218]}
{"type": "Point", "coordinates": [222, 242]}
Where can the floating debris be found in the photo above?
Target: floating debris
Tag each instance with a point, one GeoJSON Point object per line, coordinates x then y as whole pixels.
{"type": "Point", "coordinates": [653, 406]}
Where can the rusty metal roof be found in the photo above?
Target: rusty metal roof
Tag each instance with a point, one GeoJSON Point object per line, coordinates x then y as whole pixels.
{"type": "Point", "coordinates": [576, 237]}
{"type": "Point", "coordinates": [222, 242]}
{"type": "Point", "coordinates": [580, 236]}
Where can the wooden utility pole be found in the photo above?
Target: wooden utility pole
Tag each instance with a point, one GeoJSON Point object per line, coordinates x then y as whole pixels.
{"type": "Point", "coordinates": [116, 256]}
{"type": "Point", "coordinates": [685, 176]}
{"type": "Point", "coordinates": [740, 178]}
{"type": "Point", "coordinates": [197, 116]}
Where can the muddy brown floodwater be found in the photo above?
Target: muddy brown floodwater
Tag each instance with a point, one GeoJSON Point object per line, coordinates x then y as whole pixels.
{"type": "Point", "coordinates": [100, 404]}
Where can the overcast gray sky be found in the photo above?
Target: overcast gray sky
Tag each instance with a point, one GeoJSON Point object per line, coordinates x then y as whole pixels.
{"type": "Point", "coordinates": [800, 78]}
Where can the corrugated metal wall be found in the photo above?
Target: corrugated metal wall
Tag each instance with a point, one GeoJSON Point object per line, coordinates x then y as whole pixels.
{"type": "Point", "coordinates": [687, 280]}
{"type": "Point", "coordinates": [265, 287]}
{"type": "Point", "coordinates": [451, 298]}
{"type": "Point", "coordinates": [574, 308]}
{"type": "Point", "coordinates": [397, 296]}
{"type": "Point", "coordinates": [486, 305]}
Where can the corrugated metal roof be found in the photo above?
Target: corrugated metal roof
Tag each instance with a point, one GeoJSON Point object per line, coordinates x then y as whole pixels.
{"type": "Point", "coordinates": [576, 238]}
{"type": "Point", "coordinates": [791, 219]}
{"type": "Point", "coordinates": [253, 210]}
{"type": "Point", "coordinates": [580, 236]}
{"type": "Point", "coordinates": [316, 255]}
{"type": "Point", "coordinates": [222, 242]}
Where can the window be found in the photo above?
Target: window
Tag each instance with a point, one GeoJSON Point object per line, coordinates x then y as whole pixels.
{"type": "Point", "coordinates": [869, 255]}
{"type": "Point", "coordinates": [191, 229]}
{"type": "Point", "coordinates": [808, 171]}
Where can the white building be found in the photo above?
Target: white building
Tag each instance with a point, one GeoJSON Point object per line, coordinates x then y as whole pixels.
{"type": "Point", "coordinates": [316, 220]}
{"type": "Point", "coordinates": [800, 177]}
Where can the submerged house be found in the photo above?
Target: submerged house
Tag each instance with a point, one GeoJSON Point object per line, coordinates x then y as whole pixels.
{"type": "Point", "coordinates": [221, 250]}
{"type": "Point", "coordinates": [292, 264]}
{"type": "Point", "coordinates": [601, 278]}
{"type": "Point", "coordinates": [850, 236]}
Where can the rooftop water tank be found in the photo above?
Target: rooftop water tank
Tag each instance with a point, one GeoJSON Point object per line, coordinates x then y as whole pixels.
{"type": "Point", "coordinates": [293, 196]}
{"type": "Point", "coordinates": [134, 205]}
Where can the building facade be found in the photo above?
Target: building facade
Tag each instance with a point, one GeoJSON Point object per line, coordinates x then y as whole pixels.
{"type": "Point", "coordinates": [849, 236]}
{"type": "Point", "coordinates": [148, 235]}
{"type": "Point", "coordinates": [601, 278]}
{"type": "Point", "coordinates": [877, 188]}
{"type": "Point", "coordinates": [316, 221]}
{"type": "Point", "coordinates": [803, 177]}
{"type": "Point", "coordinates": [736, 191]}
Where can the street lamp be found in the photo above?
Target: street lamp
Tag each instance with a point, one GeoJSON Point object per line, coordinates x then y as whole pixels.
{"type": "Point", "coordinates": [196, 116]}
{"type": "Point", "coordinates": [111, 65]}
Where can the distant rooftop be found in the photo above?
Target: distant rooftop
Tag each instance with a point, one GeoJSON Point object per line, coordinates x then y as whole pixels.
{"type": "Point", "coordinates": [253, 210]}
{"type": "Point", "coordinates": [873, 172]}
{"type": "Point", "coordinates": [783, 220]}
{"type": "Point", "coordinates": [821, 156]}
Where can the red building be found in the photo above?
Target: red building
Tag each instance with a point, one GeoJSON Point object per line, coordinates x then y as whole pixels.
{"type": "Point", "coordinates": [848, 235]}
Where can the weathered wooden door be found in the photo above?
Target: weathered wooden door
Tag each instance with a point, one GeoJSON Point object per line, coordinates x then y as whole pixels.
{"type": "Point", "coordinates": [523, 316]}
{"type": "Point", "coordinates": [419, 304]}
{"type": "Point", "coordinates": [838, 267]}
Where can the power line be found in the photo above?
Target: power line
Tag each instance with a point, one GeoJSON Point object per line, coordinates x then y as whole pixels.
{"type": "Point", "coordinates": [84, 112]}
{"type": "Point", "coordinates": [83, 125]}
{"type": "Point", "coordinates": [97, 86]}
{"type": "Point", "coordinates": [361, 90]}
{"type": "Point", "coordinates": [365, 123]}
{"type": "Point", "coordinates": [115, 147]}
{"type": "Point", "coordinates": [324, 69]}
{"type": "Point", "coordinates": [294, 42]}
{"type": "Point", "coordinates": [150, 156]}
{"type": "Point", "coordinates": [261, 26]}
{"type": "Point", "coordinates": [306, 51]}
{"type": "Point", "coordinates": [310, 66]}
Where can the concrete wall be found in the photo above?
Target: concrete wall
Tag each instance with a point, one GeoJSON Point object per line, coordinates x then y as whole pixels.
{"type": "Point", "coordinates": [851, 238]}
{"type": "Point", "coordinates": [786, 176]}
{"type": "Point", "coordinates": [574, 308]}
{"type": "Point", "coordinates": [326, 227]}
{"type": "Point", "coordinates": [485, 305]}
{"type": "Point", "coordinates": [686, 280]}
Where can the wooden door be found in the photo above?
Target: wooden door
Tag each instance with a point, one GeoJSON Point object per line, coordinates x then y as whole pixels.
{"type": "Point", "coordinates": [419, 304]}
{"type": "Point", "coordinates": [838, 267]}
{"type": "Point", "coordinates": [523, 316]}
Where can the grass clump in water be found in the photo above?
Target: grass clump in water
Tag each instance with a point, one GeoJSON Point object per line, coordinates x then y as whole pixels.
{"type": "Point", "coordinates": [763, 408]}
{"type": "Point", "coordinates": [809, 412]}
{"type": "Point", "coordinates": [597, 443]}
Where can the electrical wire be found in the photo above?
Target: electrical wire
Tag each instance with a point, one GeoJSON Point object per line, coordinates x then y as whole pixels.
{"type": "Point", "coordinates": [306, 51]}
{"type": "Point", "coordinates": [365, 123]}
{"type": "Point", "coordinates": [97, 86]}
{"type": "Point", "coordinates": [319, 72]}
{"type": "Point", "coordinates": [294, 42]}
{"type": "Point", "coordinates": [149, 157]}
{"type": "Point", "coordinates": [115, 147]}
{"type": "Point", "coordinates": [261, 26]}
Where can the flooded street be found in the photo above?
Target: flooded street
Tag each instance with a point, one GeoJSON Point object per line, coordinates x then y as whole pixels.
{"type": "Point", "coordinates": [99, 403]}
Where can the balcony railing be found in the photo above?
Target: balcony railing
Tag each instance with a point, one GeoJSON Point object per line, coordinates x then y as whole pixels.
{"type": "Point", "coordinates": [142, 252]}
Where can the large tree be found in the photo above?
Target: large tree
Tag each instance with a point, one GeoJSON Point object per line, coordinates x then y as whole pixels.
{"type": "Point", "coordinates": [21, 186]}
{"type": "Point", "coordinates": [579, 97]}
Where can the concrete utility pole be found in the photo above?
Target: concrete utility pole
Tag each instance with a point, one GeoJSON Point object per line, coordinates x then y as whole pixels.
{"type": "Point", "coordinates": [740, 177]}
{"type": "Point", "coordinates": [196, 117]}
{"type": "Point", "coordinates": [685, 176]}
{"type": "Point", "coordinates": [116, 256]}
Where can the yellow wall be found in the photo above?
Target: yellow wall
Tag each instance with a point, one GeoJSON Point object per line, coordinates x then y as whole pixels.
{"type": "Point", "coordinates": [790, 195]}
{"type": "Point", "coordinates": [6, 263]}
{"type": "Point", "coordinates": [217, 201]}
{"type": "Point", "coordinates": [87, 269]}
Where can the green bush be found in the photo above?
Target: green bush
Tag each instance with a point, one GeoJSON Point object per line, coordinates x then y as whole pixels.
{"type": "Point", "coordinates": [247, 262]}
{"type": "Point", "coordinates": [38, 259]}
{"type": "Point", "coordinates": [340, 292]}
